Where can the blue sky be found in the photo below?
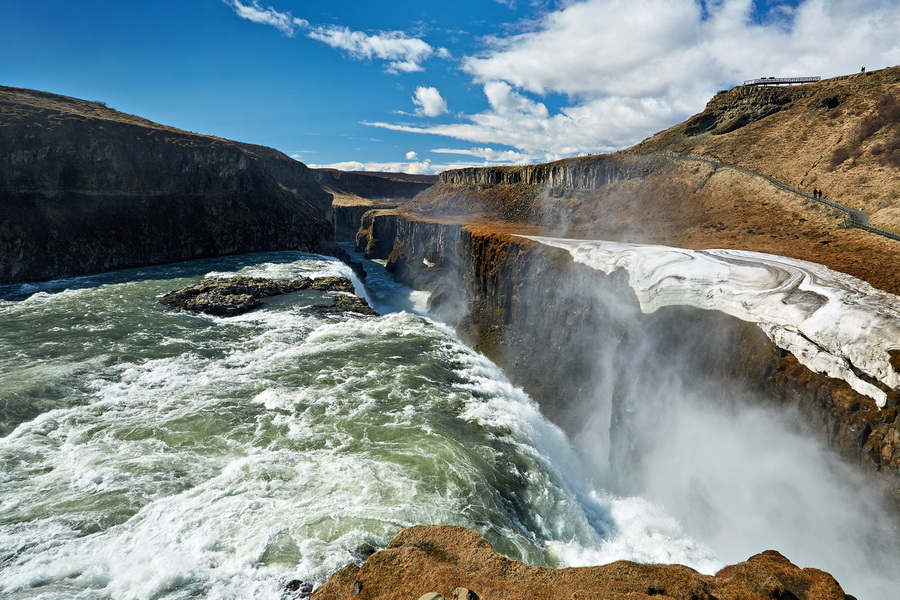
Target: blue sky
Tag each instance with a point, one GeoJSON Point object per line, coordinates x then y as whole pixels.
{"type": "Point", "coordinates": [421, 87]}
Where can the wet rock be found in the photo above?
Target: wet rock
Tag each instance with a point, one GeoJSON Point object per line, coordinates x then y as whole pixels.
{"type": "Point", "coordinates": [230, 297]}
{"type": "Point", "coordinates": [297, 589]}
{"type": "Point", "coordinates": [233, 296]}
{"type": "Point", "coordinates": [352, 304]}
{"type": "Point", "coordinates": [332, 284]}
{"type": "Point", "coordinates": [462, 593]}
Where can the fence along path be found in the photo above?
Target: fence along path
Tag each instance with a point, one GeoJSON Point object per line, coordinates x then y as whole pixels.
{"type": "Point", "coordinates": [856, 218]}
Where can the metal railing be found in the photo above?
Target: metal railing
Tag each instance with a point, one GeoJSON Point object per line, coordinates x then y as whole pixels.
{"type": "Point", "coordinates": [781, 80]}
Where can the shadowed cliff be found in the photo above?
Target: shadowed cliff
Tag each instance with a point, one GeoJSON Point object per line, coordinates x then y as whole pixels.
{"type": "Point", "coordinates": [85, 188]}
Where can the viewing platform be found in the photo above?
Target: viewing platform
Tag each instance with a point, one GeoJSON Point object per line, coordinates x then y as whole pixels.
{"type": "Point", "coordinates": [781, 80]}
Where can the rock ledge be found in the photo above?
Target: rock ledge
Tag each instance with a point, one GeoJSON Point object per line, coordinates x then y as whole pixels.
{"type": "Point", "coordinates": [449, 561]}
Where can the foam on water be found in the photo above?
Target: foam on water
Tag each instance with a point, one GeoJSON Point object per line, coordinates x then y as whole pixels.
{"type": "Point", "coordinates": [199, 456]}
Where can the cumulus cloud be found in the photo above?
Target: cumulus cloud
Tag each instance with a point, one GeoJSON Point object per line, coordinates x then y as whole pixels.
{"type": "Point", "coordinates": [403, 52]}
{"type": "Point", "coordinates": [429, 102]}
{"type": "Point", "coordinates": [629, 68]}
{"type": "Point", "coordinates": [514, 120]}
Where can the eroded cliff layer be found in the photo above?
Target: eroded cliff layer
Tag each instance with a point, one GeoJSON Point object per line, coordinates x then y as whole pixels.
{"type": "Point", "coordinates": [84, 188]}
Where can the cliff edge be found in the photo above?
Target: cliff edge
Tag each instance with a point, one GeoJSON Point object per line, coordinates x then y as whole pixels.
{"type": "Point", "coordinates": [738, 176]}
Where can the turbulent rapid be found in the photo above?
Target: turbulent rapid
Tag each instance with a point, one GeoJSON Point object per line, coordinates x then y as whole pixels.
{"type": "Point", "coordinates": [151, 453]}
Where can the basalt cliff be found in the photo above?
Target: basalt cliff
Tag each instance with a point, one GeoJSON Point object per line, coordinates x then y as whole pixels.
{"type": "Point", "coordinates": [808, 172]}
{"type": "Point", "coordinates": [84, 188]}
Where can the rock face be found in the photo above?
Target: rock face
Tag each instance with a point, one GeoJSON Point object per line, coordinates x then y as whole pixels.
{"type": "Point", "coordinates": [576, 174]}
{"type": "Point", "coordinates": [377, 232]}
{"type": "Point", "coordinates": [84, 188]}
{"type": "Point", "coordinates": [236, 295]}
{"type": "Point", "coordinates": [444, 561]}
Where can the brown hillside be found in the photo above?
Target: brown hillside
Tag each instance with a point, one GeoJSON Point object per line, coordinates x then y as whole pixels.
{"type": "Point", "coordinates": [840, 135]}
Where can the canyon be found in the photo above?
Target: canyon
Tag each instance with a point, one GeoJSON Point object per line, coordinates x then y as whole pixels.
{"type": "Point", "coordinates": [85, 188]}
{"type": "Point", "coordinates": [88, 189]}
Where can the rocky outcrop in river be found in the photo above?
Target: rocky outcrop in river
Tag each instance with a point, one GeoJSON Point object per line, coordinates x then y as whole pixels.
{"type": "Point", "coordinates": [84, 188]}
{"type": "Point", "coordinates": [234, 296]}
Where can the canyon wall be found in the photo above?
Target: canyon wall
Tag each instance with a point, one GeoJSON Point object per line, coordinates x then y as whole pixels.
{"type": "Point", "coordinates": [583, 173]}
{"type": "Point", "coordinates": [84, 188]}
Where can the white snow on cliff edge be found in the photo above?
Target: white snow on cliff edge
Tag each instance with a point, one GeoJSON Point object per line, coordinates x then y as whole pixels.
{"type": "Point", "coordinates": [833, 323]}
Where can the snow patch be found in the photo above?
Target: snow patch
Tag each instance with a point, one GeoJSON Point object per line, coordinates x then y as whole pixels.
{"type": "Point", "coordinates": [831, 322]}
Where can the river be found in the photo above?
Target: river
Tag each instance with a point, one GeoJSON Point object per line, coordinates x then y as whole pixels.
{"type": "Point", "coordinates": [151, 453]}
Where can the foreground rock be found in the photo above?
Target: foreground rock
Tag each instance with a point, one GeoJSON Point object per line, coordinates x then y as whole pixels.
{"type": "Point", "coordinates": [453, 562]}
{"type": "Point", "coordinates": [84, 188]}
{"type": "Point", "coordinates": [237, 295]}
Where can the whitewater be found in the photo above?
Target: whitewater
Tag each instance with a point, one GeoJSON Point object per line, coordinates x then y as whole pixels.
{"type": "Point", "coordinates": [151, 453]}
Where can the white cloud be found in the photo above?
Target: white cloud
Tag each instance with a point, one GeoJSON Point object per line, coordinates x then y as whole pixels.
{"type": "Point", "coordinates": [283, 22]}
{"type": "Point", "coordinates": [412, 156]}
{"type": "Point", "coordinates": [429, 102]}
{"type": "Point", "coordinates": [492, 156]}
{"type": "Point", "coordinates": [415, 167]}
{"type": "Point", "coordinates": [630, 68]}
{"type": "Point", "coordinates": [404, 53]}
{"type": "Point", "coordinates": [527, 125]}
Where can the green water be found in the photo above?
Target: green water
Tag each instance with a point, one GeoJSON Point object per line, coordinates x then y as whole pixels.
{"type": "Point", "coordinates": [150, 453]}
